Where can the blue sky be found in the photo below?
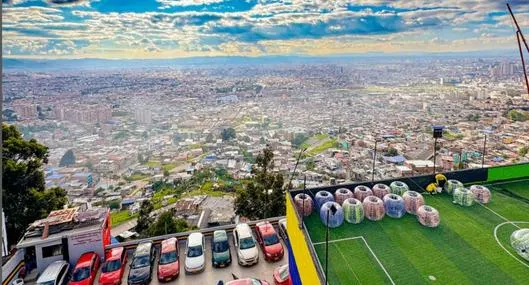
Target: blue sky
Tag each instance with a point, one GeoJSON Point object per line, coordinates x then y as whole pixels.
{"type": "Point", "coordinates": [185, 28]}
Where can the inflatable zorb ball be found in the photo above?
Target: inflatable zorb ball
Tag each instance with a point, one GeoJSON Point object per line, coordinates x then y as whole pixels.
{"type": "Point", "coordinates": [323, 197]}
{"type": "Point", "coordinates": [428, 216]}
{"type": "Point", "coordinates": [463, 197]}
{"type": "Point", "coordinates": [398, 187]}
{"type": "Point", "coordinates": [520, 242]}
{"type": "Point", "coordinates": [481, 193]}
{"type": "Point", "coordinates": [380, 190]}
{"type": "Point", "coordinates": [353, 211]}
{"type": "Point", "coordinates": [412, 201]}
{"type": "Point", "coordinates": [304, 204]}
{"type": "Point", "coordinates": [373, 208]}
{"type": "Point", "coordinates": [342, 194]}
{"type": "Point", "coordinates": [394, 206]}
{"type": "Point", "coordinates": [451, 185]}
{"type": "Point", "coordinates": [336, 219]}
{"type": "Point", "coordinates": [361, 192]}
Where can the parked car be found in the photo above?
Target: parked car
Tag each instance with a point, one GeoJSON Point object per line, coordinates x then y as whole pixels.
{"type": "Point", "coordinates": [169, 264]}
{"type": "Point", "coordinates": [245, 245]}
{"type": "Point", "coordinates": [220, 248]}
{"type": "Point", "coordinates": [269, 241]}
{"type": "Point", "coordinates": [283, 229]}
{"type": "Point", "coordinates": [247, 281]}
{"type": "Point", "coordinates": [195, 260]}
{"type": "Point", "coordinates": [56, 273]}
{"type": "Point", "coordinates": [114, 266]}
{"type": "Point", "coordinates": [85, 271]}
{"type": "Point", "coordinates": [142, 264]}
{"type": "Point", "coordinates": [282, 275]}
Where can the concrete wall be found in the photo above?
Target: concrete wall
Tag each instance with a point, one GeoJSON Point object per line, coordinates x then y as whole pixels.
{"type": "Point", "coordinates": [11, 268]}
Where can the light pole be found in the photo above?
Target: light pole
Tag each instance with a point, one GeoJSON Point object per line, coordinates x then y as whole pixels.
{"type": "Point", "coordinates": [295, 167]}
{"type": "Point", "coordinates": [485, 132]}
{"type": "Point", "coordinates": [437, 133]}
{"type": "Point", "coordinates": [333, 210]}
{"type": "Point", "coordinates": [374, 160]}
{"type": "Point", "coordinates": [303, 207]}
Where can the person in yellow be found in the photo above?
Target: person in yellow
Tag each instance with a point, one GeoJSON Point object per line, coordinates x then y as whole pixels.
{"type": "Point", "coordinates": [438, 185]}
{"type": "Point", "coordinates": [431, 188]}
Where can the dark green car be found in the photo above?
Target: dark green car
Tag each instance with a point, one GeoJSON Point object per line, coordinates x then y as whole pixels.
{"type": "Point", "coordinates": [221, 256]}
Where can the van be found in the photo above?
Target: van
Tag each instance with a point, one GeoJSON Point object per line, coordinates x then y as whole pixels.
{"type": "Point", "coordinates": [142, 264]}
{"type": "Point", "coordinates": [56, 273]}
{"type": "Point", "coordinates": [245, 245]}
{"type": "Point", "coordinates": [195, 259]}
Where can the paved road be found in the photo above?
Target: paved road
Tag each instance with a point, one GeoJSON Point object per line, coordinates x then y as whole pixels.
{"type": "Point", "coordinates": [262, 270]}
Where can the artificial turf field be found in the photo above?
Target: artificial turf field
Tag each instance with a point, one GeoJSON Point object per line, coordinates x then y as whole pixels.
{"type": "Point", "coordinates": [462, 250]}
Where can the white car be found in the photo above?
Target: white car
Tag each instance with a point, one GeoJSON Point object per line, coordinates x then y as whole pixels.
{"type": "Point", "coordinates": [247, 252]}
{"type": "Point", "coordinates": [195, 260]}
{"type": "Point", "coordinates": [56, 273]}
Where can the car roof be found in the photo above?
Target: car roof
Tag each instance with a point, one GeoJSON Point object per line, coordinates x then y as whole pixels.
{"type": "Point", "coordinates": [114, 253]}
{"type": "Point", "coordinates": [194, 239]}
{"type": "Point", "coordinates": [169, 244]}
{"type": "Point", "coordinates": [243, 230]}
{"type": "Point", "coordinates": [85, 259]}
{"type": "Point", "coordinates": [265, 228]}
{"type": "Point", "coordinates": [220, 235]}
{"type": "Point", "coordinates": [51, 272]}
{"type": "Point", "coordinates": [143, 248]}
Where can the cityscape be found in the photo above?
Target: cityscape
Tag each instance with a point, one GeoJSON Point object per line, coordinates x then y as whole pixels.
{"type": "Point", "coordinates": [202, 149]}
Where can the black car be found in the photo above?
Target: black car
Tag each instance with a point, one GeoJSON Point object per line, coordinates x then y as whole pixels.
{"type": "Point", "coordinates": [142, 264]}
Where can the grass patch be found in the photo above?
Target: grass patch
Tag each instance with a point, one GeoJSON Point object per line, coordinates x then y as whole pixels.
{"type": "Point", "coordinates": [322, 147]}
{"type": "Point", "coordinates": [118, 218]}
{"type": "Point", "coordinates": [153, 163]}
{"type": "Point", "coordinates": [462, 250]}
{"type": "Point", "coordinates": [139, 176]}
{"type": "Point", "coordinates": [168, 166]}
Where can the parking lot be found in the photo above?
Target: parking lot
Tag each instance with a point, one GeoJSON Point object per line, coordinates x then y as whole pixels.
{"type": "Point", "coordinates": [262, 270]}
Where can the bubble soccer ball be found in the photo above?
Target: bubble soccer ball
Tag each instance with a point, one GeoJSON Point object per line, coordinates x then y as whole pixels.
{"type": "Point", "coordinates": [342, 194]}
{"type": "Point", "coordinates": [451, 185]}
{"type": "Point", "coordinates": [463, 197]}
{"type": "Point", "coordinates": [398, 187]}
{"type": "Point", "coordinates": [380, 190]}
{"type": "Point", "coordinates": [412, 201]}
{"type": "Point", "coordinates": [481, 193]}
{"type": "Point", "coordinates": [394, 206]}
{"type": "Point", "coordinates": [361, 192]}
{"type": "Point", "coordinates": [335, 220]}
{"type": "Point", "coordinates": [304, 204]}
{"type": "Point", "coordinates": [520, 242]}
{"type": "Point", "coordinates": [322, 197]}
{"type": "Point", "coordinates": [373, 208]}
{"type": "Point", "coordinates": [428, 216]}
{"type": "Point", "coordinates": [353, 211]}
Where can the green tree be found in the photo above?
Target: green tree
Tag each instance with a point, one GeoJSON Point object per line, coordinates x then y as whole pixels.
{"type": "Point", "coordinates": [25, 198]}
{"type": "Point", "coordinates": [67, 159]}
{"type": "Point", "coordinates": [264, 196]}
{"type": "Point", "coordinates": [392, 151]}
{"type": "Point", "coordinates": [523, 151]}
{"type": "Point", "coordinates": [167, 223]}
{"type": "Point", "coordinates": [310, 164]}
{"type": "Point", "coordinates": [228, 134]}
{"type": "Point", "coordinates": [144, 217]}
{"type": "Point", "coordinates": [299, 139]}
{"type": "Point", "coordinates": [518, 115]}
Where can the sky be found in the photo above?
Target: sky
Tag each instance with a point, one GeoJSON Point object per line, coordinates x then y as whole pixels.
{"type": "Point", "coordinates": [157, 29]}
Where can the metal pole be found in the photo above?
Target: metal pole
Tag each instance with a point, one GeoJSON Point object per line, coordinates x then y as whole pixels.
{"type": "Point", "coordinates": [295, 167]}
{"type": "Point", "coordinates": [434, 153]}
{"type": "Point", "coordinates": [518, 33]}
{"type": "Point", "coordinates": [327, 249]}
{"type": "Point", "coordinates": [518, 27]}
{"type": "Point", "coordinates": [484, 151]}
{"type": "Point", "coordinates": [304, 189]}
{"type": "Point", "coordinates": [374, 159]}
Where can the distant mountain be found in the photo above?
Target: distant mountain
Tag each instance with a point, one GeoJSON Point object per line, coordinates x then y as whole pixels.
{"type": "Point", "coordinates": [14, 64]}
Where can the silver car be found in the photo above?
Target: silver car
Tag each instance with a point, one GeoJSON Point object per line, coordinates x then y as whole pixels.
{"type": "Point", "coordinates": [56, 273]}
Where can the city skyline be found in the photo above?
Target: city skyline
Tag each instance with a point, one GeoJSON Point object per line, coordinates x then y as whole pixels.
{"type": "Point", "coordinates": [156, 29]}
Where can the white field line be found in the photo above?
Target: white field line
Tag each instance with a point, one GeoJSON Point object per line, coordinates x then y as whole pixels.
{"type": "Point", "coordinates": [338, 240]}
{"type": "Point", "coordinates": [368, 247]}
{"type": "Point", "coordinates": [501, 245]}
{"type": "Point", "coordinates": [506, 182]}
{"type": "Point", "coordinates": [348, 265]}
{"type": "Point", "coordinates": [502, 217]}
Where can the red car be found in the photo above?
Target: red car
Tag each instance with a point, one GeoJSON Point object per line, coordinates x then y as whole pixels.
{"type": "Point", "coordinates": [85, 271]}
{"type": "Point", "coordinates": [247, 281]}
{"type": "Point", "coordinates": [114, 266]}
{"type": "Point", "coordinates": [269, 241]}
{"type": "Point", "coordinates": [169, 265]}
{"type": "Point", "coordinates": [282, 275]}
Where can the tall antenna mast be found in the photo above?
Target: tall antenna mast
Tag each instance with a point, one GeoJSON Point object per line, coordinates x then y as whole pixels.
{"type": "Point", "coordinates": [520, 38]}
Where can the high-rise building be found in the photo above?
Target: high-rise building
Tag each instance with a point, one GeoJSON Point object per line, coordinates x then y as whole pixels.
{"type": "Point", "coordinates": [143, 116]}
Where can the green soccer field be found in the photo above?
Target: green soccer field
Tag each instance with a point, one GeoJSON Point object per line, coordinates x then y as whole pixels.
{"type": "Point", "coordinates": [462, 250]}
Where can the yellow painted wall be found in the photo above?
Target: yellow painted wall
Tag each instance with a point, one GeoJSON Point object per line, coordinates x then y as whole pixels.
{"type": "Point", "coordinates": [306, 267]}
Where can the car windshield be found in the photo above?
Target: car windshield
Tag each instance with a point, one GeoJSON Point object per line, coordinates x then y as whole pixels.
{"type": "Point", "coordinates": [111, 265]}
{"type": "Point", "coordinates": [141, 261]}
{"type": "Point", "coordinates": [81, 274]}
{"type": "Point", "coordinates": [270, 239]}
{"type": "Point", "coordinates": [194, 251]}
{"type": "Point", "coordinates": [47, 283]}
{"type": "Point", "coordinates": [168, 257]}
{"type": "Point", "coordinates": [246, 243]}
{"type": "Point", "coordinates": [220, 246]}
{"type": "Point", "coordinates": [283, 272]}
